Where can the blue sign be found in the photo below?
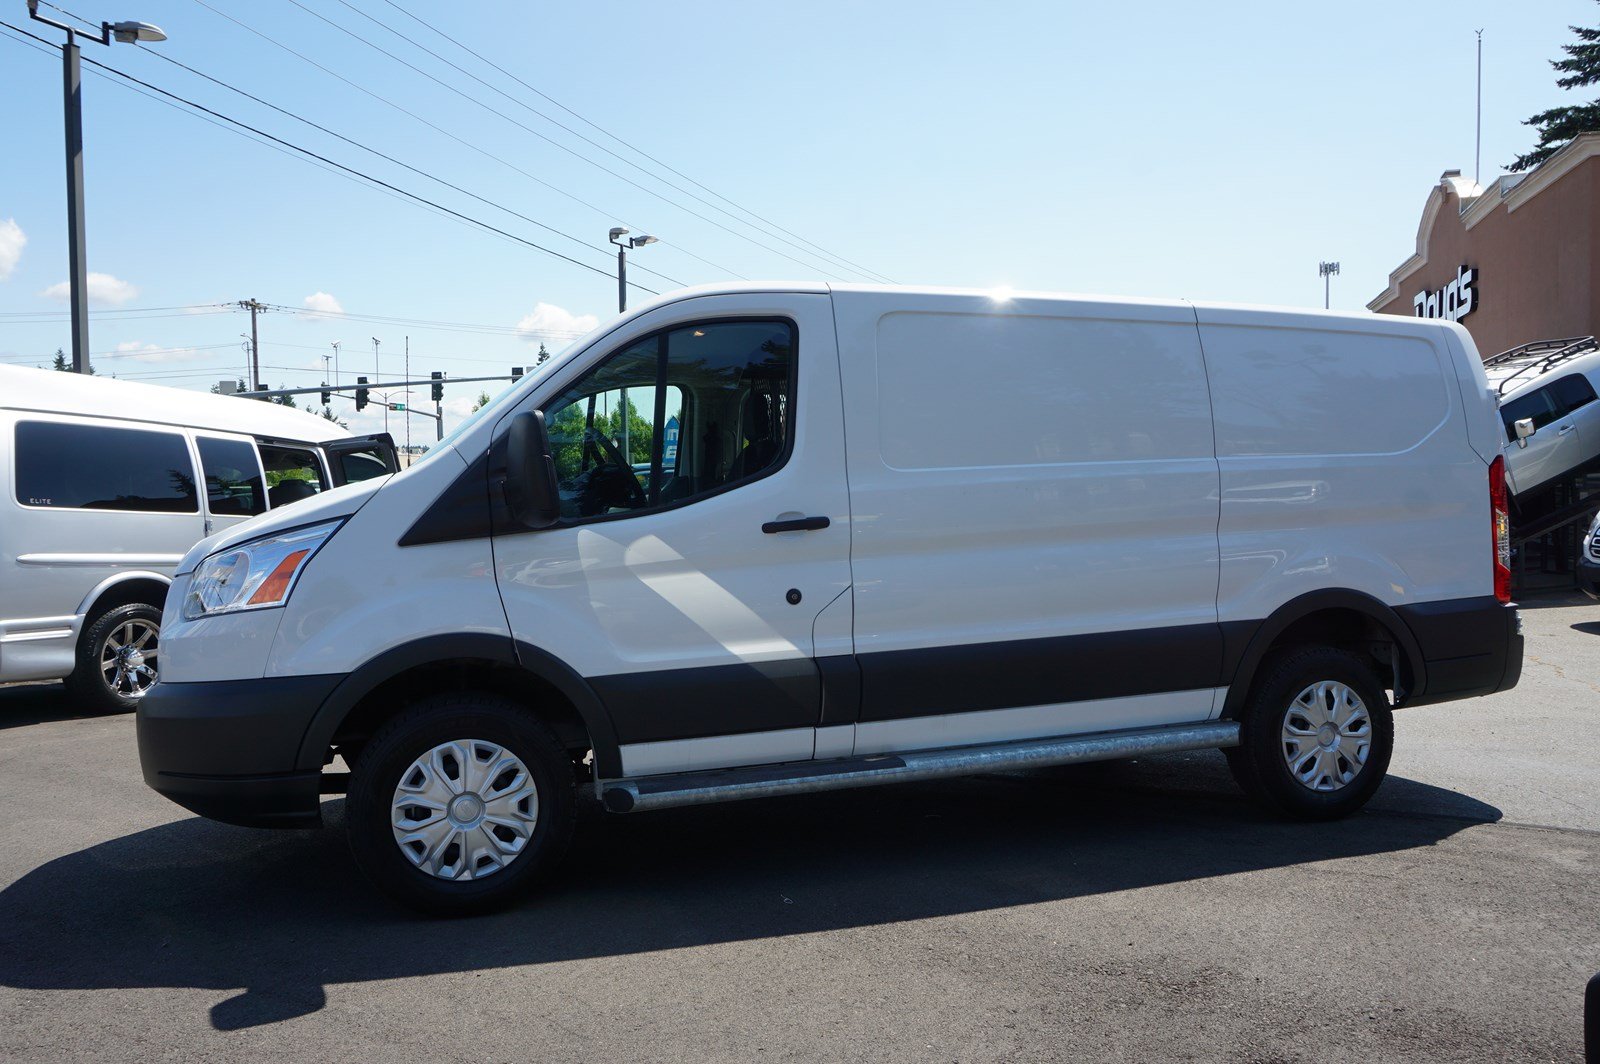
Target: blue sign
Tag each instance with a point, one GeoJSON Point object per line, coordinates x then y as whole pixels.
{"type": "Point", "coordinates": [671, 453]}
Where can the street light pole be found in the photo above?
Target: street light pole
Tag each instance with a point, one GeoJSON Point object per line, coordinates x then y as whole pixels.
{"type": "Point", "coordinates": [77, 264]}
{"type": "Point", "coordinates": [1327, 270]}
{"type": "Point", "coordinates": [72, 109]}
{"type": "Point", "coordinates": [617, 234]}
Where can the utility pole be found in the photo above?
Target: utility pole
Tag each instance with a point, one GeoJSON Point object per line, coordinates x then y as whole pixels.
{"type": "Point", "coordinates": [254, 306]}
{"type": "Point", "coordinates": [336, 344]}
{"type": "Point", "coordinates": [407, 394]}
{"type": "Point", "coordinates": [1327, 270]}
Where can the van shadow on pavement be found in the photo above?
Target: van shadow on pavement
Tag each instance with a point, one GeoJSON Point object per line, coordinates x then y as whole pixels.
{"type": "Point", "coordinates": [281, 915]}
{"type": "Point", "coordinates": [24, 704]}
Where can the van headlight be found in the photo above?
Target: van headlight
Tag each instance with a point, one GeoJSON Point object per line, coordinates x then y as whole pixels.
{"type": "Point", "coordinates": [255, 575]}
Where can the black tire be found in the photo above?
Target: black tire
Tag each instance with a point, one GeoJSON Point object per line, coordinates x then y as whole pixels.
{"type": "Point", "coordinates": [1261, 762]}
{"type": "Point", "coordinates": [88, 685]}
{"type": "Point", "coordinates": [458, 716]}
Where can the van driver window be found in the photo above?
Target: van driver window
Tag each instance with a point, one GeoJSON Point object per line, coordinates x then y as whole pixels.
{"type": "Point", "coordinates": [93, 467]}
{"type": "Point", "coordinates": [674, 417]}
{"type": "Point", "coordinates": [293, 473]}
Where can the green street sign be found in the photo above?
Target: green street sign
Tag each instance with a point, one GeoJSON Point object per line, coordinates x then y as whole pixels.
{"type": "Point", "coordinates": [399, 406]}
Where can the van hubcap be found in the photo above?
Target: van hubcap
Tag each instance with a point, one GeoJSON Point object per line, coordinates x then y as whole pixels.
{"type": "Point", "coordinates": [128, 659]}
{"type": "Point", "coordinates": [1327, 735]}
{"type": "Point", "coordinates": [464, 810]}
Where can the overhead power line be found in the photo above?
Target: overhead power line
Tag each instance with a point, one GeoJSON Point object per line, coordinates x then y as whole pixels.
{"type": "Point", "coordinates": [551, 140]}
{"type": "Point", "coordinates": [814, 249]}
{"type": "Point", "coordinates": [341, 166]}
{"type": "Point", "coordinates": [609, 215]}
{"type": "Point", "coordinates": [631, 147]}
{"type": "Point", "coordinates": [389, 158]}
{"type": "Point", "coordinates": [40, 45]}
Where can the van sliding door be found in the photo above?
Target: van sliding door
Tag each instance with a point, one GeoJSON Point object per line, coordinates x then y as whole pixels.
{"type": "Point", "coordinates": [1034, 551]}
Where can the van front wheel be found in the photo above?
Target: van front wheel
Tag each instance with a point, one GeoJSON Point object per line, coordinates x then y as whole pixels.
{"type": "Point", "coordinates": [117, 658]}
{"type": "Point", "coordinates": [460, 804]}
{"type": "Point", "coordinates": [1315, 735]}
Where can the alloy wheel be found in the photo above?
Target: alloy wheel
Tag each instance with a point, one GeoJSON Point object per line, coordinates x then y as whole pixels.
{"type": "Point", "coordinates": [128, 658]}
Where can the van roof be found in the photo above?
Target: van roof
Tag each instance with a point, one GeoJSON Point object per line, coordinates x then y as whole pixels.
{"type": "Point", "coordinates": [50, 391]}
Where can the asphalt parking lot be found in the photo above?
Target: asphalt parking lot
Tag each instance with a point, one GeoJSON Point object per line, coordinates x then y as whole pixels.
{"type": "Point", "coordinates": [1136, 911]}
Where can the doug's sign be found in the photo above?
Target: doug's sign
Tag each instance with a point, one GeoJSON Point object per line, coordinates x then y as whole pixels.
{"type": "Point", "coordinates": [1454, 301]}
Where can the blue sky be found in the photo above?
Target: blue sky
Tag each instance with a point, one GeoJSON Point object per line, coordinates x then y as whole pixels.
{"type": "Point", "coordinates": [1165, 149]}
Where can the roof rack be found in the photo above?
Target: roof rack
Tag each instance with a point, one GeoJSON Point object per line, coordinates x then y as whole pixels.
{"type": "Point", "coordinates": [1541, 355]}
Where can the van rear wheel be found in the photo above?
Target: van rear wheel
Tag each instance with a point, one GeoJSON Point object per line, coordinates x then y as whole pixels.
{"type": "Point", "coordinates": [117, 658]}
{"type": "Point", "coordinates": [460, 804]}
{"type": "Point", "coordinates": [1316, 734]}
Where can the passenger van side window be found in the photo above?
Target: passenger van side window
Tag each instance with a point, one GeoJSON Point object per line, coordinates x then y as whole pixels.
{"type": "Point", "coordinates": [1539, 405]}
{"type": "Point", "coordinates": [95, 467]}
{"type": "Point", "coordinates": [233, 477]}
{"type": "Point", "coordinates": [674, 417]}
{"type": "Point", "coordinates": [1573, 391]}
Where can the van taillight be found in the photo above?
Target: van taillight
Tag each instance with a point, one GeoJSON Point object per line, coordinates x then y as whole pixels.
{"type": "Point", "coordinates": [1500, 515]}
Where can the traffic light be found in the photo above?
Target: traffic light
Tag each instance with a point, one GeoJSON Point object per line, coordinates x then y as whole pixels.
{"type": "Point", "coordinates": [361, 395]}
{"type": "Point", "coordinates": [327, 396]}
{"type": "Point", "coordinates": [438, 386]}
{"type": "Point", "coordinates": [516, 374]}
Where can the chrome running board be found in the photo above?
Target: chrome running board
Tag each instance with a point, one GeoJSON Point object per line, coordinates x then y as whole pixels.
{"type": "Point", "coordinates": [801, 777]}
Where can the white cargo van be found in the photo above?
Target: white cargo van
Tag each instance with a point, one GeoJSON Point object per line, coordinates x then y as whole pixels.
{"type": "Point", "coordinates": [104, 484]}
{"type": "Point", "coordinates": [752, 541]}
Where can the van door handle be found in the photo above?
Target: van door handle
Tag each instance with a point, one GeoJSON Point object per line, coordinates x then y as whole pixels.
{"type": "Point", "coordinates": [796, 524]}
{"type": "Point", "coordinates": [1564, 430]}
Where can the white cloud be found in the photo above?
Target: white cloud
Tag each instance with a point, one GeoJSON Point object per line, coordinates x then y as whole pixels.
{"type": "Point", "coordinates": [12, 241]}
{"type": "Point", "coordinates": [547, 318]}
{"type": "Point", "coordinates": [323, 303]}
{"type": "Point", "coordinates": [134, 351]}
{"type": "Point", "coordinates": [104, 289]}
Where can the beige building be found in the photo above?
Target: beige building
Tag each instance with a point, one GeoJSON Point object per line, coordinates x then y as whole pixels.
{"type": "Point", "coordinates": [1515, 262]}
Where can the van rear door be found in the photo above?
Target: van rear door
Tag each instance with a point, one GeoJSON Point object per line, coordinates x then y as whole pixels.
{"type": "Point", "coordinates": [357, 458]}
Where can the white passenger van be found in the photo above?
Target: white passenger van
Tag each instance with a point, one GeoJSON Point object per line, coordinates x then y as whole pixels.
{"type": "Point", "coordinates": [752, 541]}
{"type": "Point", "coordinates": [104, 484]}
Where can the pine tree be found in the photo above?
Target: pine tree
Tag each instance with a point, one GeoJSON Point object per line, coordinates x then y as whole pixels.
{"type": "Point", "coordinates": [544, 356]}
{"type": "Point", "coordinates": [1559, 125]}
{"type": "Point", "coordinates": [61, 364]}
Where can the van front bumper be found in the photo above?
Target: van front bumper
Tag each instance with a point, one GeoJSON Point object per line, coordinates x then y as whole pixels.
{"type": "Point", "coordinates": [226, 749]}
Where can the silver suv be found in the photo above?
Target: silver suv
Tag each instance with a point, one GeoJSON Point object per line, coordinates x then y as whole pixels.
{"type": "Point", "coordinates": [1547, 393]}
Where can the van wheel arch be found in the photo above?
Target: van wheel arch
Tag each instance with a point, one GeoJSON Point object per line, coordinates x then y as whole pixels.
{"type": "Point", "coordinates": [547, 687]}
{"type": "Point", "coordinates": [1330, 617]}
{"type": "Point", "coordinates": [124, 589]}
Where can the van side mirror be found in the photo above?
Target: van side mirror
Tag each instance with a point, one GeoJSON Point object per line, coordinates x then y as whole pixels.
{"type": "Point", "coordinates": [531, 492]}
{"type": "Point", "coordinates": [1524, 428]}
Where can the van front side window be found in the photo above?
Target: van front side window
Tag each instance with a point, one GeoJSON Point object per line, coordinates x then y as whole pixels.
{"type": "Point", "coordinates": [293, 473]}
{"type": "Point", "coordinates": [674, 417]}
